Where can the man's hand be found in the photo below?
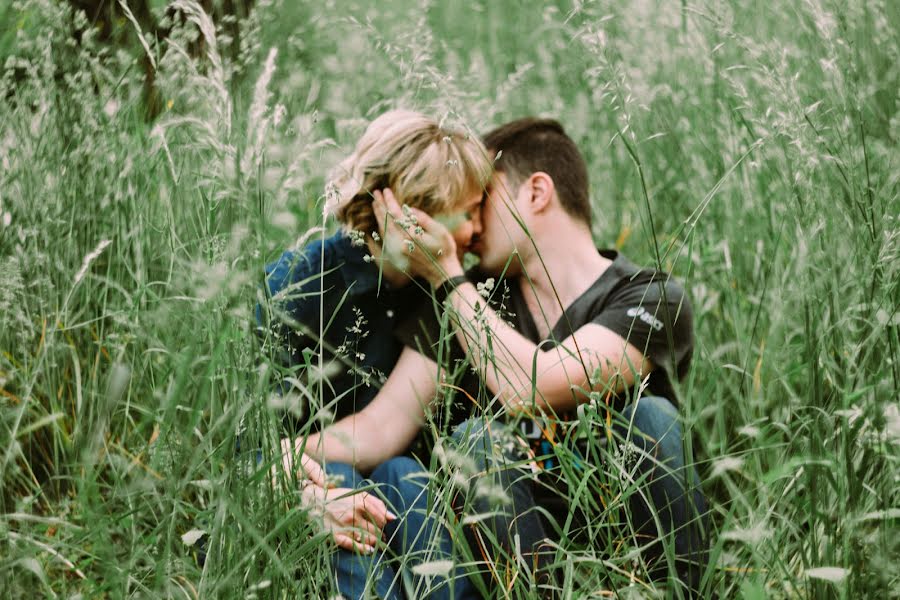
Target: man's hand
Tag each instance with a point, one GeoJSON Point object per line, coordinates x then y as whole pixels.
{"type": "Point", "coordinates": [414, 242]}
{"type": "Point", "coordinates": [355, 519]}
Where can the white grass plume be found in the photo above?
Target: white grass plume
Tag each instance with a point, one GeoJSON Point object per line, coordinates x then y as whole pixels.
{"type": "Point", "coordinates": [257, 123]}
{"type": "Point", "coordinates": [89, 258]}
{"type": "Point", "coordinates": [137, 28]}
{"type": "Point", "coordinates": [198, 16]}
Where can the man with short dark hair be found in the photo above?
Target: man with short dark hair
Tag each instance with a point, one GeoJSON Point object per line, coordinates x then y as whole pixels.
{"type": "Point", "coordinates": [580, 345]}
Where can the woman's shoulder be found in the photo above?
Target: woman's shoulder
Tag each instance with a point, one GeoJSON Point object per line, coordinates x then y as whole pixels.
{"type": "Point", "coordinates": [316, 257]}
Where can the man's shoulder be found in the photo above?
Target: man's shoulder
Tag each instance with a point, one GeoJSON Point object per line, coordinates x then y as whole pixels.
{"type": "Point", "coordinates": [624, 276]}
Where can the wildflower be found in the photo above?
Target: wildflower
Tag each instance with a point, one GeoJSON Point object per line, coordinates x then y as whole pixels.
{"type": "Point", "coordinates": [484, 289]}
{"type": "Point", "coordinates": [357, 238]}
{"type": "Point", "coordinates": [111, 108]}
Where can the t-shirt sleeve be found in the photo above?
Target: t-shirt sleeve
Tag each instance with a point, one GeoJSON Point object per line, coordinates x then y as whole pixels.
{"type": "Point", "coordinates": [426, 329]}
{"type": "Point", "coordinates": [653, 315]}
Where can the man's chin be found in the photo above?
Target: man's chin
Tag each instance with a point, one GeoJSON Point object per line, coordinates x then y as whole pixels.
{"type": "Point", "coordinates": [487, 267]}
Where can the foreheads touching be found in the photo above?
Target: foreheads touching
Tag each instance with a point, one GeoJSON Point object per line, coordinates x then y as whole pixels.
{"type": "Point", "coordinates": [530, 145]}
{"type": "Point", "coordinates": [427, 164]}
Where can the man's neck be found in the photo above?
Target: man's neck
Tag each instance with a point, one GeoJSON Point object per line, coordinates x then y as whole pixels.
{"type": "Point", "coordinates": [559, 275]}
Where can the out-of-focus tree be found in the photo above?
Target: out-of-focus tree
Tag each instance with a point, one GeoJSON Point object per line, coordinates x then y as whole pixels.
{"type": "Point", "coordinates": [109, 19]}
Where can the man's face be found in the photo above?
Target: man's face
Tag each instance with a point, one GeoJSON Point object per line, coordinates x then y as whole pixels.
{"type": "Point", "coordinates": [500, 230]}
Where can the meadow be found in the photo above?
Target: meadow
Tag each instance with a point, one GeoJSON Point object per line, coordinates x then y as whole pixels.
{"type": "Point", "coordinates": [749, 148]}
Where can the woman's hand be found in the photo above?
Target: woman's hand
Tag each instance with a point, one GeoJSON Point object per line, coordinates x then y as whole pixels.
{"type": "Point", "coordinates": [414, 242]}
{"type": "Point", "coordinates": [308, 469]}
{"type": "Point", "coordinates": [354, 518]}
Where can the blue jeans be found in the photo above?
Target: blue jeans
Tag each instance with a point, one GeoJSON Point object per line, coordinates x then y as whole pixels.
{"type": "Point", "coordinates": [495, 496]}
{"type": "Point", "coordinates": [647, 443]}
{"type": "Point", "coordinates": [415, 538]}
{"type": "Point", "coordinates": [665, 487]}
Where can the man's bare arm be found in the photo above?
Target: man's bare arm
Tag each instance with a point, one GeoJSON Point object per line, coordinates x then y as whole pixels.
{"type": "Point", "coordinates": [593, 358]}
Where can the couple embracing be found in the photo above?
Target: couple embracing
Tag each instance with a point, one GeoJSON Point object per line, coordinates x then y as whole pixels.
{"type": "Point", "coordinates": [528, 400]}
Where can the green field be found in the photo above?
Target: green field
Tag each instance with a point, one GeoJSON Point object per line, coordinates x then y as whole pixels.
{"type": "Point", "coordinates": [752, 149]}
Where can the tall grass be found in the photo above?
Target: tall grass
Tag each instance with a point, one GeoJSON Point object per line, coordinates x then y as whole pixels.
{"type": "Point", "coordinates": [751, 152]}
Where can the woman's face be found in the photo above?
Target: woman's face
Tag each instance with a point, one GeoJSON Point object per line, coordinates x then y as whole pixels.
{"type": "Point", "coordinates": [465, 223]}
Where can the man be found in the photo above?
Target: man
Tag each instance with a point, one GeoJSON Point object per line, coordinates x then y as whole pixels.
{"type": "Point", "coordinates": [586, 328]}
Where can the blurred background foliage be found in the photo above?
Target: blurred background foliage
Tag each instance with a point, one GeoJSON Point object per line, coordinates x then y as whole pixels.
{"type": "Point", "coordinates": [751, 150]}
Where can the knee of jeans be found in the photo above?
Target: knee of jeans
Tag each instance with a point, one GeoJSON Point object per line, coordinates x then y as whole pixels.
{"type": "Point", "coordinates": [342, 475]}
{"type": "Point", "coordinates": [653, 417]}
{"type": "Point", "coordinates": [401, 482]}
{"type": "Point", "coordinates": [395, 470]}
{"type": "Point", "coordinates": [471, 434]}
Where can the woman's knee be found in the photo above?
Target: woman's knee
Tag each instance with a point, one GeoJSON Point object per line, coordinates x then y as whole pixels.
{"type": "Point", "coordinates": [402, 482]}
{"type": "Point", "coordinates": [395, 470]}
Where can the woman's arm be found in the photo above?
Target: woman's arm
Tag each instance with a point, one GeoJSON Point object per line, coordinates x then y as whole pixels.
{"type": "Point", "coordinates": [389, 423]}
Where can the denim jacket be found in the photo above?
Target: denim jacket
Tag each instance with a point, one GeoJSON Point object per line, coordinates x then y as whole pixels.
{"type": "Point", "coordinates": [327, 298]}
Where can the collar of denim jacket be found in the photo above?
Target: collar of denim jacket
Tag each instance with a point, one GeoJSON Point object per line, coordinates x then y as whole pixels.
{"type": "Point", "coordinates": [360, 276]}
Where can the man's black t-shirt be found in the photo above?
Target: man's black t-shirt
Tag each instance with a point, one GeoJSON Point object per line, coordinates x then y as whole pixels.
{"type": "Point", "coordinates": [645, 307]}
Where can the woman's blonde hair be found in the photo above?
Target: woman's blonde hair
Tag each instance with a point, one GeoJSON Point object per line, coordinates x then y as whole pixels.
{"type": "Point", "coordinates": [426, 164]}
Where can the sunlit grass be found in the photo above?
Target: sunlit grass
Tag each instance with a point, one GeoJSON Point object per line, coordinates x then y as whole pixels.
{"type": "Point", "coordinates": [751, 152]}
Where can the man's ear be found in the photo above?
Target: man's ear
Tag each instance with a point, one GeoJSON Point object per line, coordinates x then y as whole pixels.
{"type": "Point", "coordinates": [542, 191]}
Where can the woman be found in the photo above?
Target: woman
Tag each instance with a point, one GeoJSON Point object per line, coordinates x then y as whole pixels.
{"type": "Point", "coordinates": [330, 315]}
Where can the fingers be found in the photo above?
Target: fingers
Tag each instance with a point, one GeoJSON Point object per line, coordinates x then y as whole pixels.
{"type": "Point", "coordinates": [359, 510]}
{"type": "Point", "coordinates": [391, 202]}
{"type": "Point", "coordinates": [365, 529]}
{"type": "Point", "coordinates": [357, 519]}
{"type": "Point", "coordinates": [380, 210]}
{"type": "Point", "coordinates": [425, 230]}
{"type": "Point", "coordinates": [376, 510]}
{"type": "Point", "coordinates": [348, 543]}
{"type": "Point", "coordinates": [313, 470]}
{"type": "Point", "coordinates": [309, 468]}
{"type": "Point", "coordinates": [385, 202]}
{"type": "Point", "coordinates": [388, 515]}
{"type": "Point", "coordinates": [389, 212]}
{"type": "Point", "coordinates": [388, 215]}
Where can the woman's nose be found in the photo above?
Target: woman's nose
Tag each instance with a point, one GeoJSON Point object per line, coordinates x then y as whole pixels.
{"type": "Point", "coordinates": [476, 222]}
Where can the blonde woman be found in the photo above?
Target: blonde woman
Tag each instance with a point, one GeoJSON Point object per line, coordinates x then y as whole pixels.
{"type": "Point", "coordinates": [332, 308]}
